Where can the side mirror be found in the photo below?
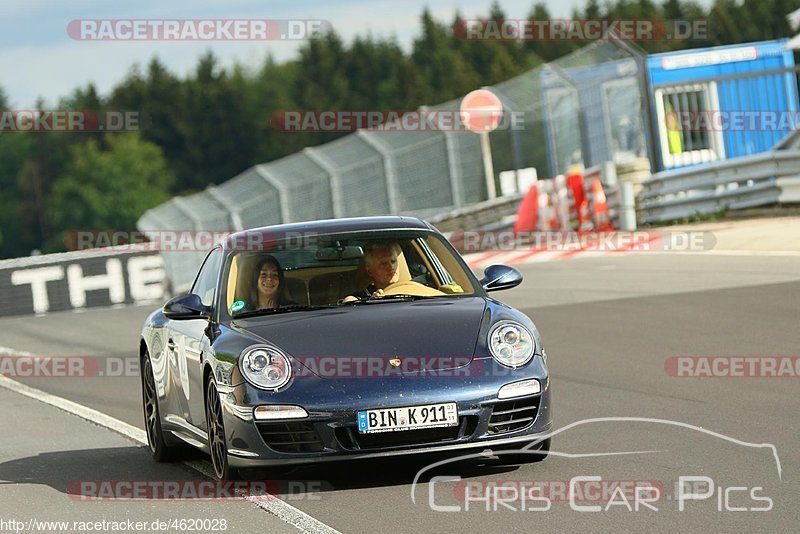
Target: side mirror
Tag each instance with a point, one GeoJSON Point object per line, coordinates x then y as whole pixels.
{"type": "Point", "coordinates": [186, 307]}
{"type": "Point", "coordinates": [496, 277]}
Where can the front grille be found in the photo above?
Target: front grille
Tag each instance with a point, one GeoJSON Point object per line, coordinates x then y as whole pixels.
{"type": "Point", "coordinates": [350, 438]}
{"type": "Point", "coordinates": [513, 415]}
{"type": "Point", "coordinates": [291, 437]}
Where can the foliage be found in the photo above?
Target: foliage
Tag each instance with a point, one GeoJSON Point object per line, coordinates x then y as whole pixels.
{"type": "Point", "coordinates": [208, 126]}
{"type": "Point", "coordinates": [103, 189]}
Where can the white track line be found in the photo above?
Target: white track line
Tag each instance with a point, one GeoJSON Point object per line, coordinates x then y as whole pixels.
{"type": "Point", "coordinates": [732, 252]}
{"type": "Point", "coordinates": [272, 504]}
{"type": "Point", "coordinates": [480, 260]}
{"type": "Point", "coordinates": [93, 416]}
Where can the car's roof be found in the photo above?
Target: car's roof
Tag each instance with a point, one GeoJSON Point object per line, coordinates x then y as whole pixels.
{"type": "Point", "coordinates": [335, 226]}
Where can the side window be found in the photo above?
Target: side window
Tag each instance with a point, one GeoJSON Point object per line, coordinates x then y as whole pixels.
{"type": "Point", "coordinates": [206, 282]}
{"type": "Point", "coordinates": [416, 267]}
{"type": "Point", "coordinates": [562, 105]}
{"type": "Point", "coordinates": [684, 124]}
{"type": "Point", "coordinates": [622, 109]}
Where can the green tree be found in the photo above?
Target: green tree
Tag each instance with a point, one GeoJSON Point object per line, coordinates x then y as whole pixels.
{"type": "Point", "coordinates": [547, 49]}
{"type": "Point", "coordinates": [269, 94]}
{"type": "Point", "coordinates": [14, 149]}
{"type": "Point", "coordinates": [493, 61]}
{"type": "Point", "coordinates": [220, 140]}
{"type": "Point", "coordinates": [592, 10]}
{"type": "Point", "coordinates": [158, 97]}
{"type": "Point", "coordinates": [107, 189]}
{"type": "Point", "coordinates": [722, 19]}
{"type": "Point", "coordinates": [447, 73]}
{"type": "Point", "coordinates": [210, 125]}
{"type": "Point", "coordinates": [321, 82]}
{"type": "Point", "coordinates": [42, 163]}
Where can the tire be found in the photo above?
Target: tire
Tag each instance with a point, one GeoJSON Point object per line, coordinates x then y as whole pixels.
{"type": "Point", "coordinates": [159, 449]}
{"type": "Point", "coordinates": [215, 425]}
{"type": "Point", "coordinates": [527, 458]}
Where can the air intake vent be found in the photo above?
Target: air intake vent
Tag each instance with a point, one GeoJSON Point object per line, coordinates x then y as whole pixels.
{"type": "Point", "coordinates": [513, 415]}
{"type": "Point", "coordinates": [291, 437]}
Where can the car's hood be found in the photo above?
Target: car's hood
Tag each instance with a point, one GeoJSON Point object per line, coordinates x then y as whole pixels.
{"type": "Point", "coordinates": [423, 334]}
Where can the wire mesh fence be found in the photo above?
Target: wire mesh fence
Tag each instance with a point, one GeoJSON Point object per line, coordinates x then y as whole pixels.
{"type": "Point", "coordinates": [420, 173]}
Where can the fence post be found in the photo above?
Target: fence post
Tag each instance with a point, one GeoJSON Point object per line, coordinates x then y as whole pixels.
{"type": "Point", "coordinates": [336, 185]}
{"type": "Point", "coordinates": [183, 208]}
{"type": "Point", "coordinates": [456, 179]}
{"type": "Point", "coordinates": [388, 168]}
{"type": "Point", "coordinates": [236, 220]}
{"type": "Point", "coordinates": [264, 173]}
{"type": "Point", "coordinates": [627, 208]}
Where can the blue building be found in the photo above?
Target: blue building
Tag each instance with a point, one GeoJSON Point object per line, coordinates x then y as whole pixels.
{"type": "Point", "coordinates": [723, 102]}
{"type": "Point", "coordinates": [673, 109]}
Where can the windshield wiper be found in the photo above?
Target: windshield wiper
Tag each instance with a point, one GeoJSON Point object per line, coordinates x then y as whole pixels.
{"type": "Point", "coordinates": [389, 298]}
{"type": "Point", "coordinates": [282, 309]}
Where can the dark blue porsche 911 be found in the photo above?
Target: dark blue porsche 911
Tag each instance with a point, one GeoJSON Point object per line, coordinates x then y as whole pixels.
{"type": "Point", "coordinates": [347, 338]}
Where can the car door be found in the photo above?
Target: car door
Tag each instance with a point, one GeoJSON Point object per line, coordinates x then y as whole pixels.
{"type": "Point", "coordinates": [192, 344]}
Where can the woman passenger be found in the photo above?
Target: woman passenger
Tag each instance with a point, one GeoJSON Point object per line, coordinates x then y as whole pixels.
{"type": "Point", "coordinates": [269, 285]}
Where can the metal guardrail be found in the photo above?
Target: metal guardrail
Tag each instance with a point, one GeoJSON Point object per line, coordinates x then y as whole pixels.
{"type": "Point", "coordinates": [478, 215]}
{"type": "Point", "coordinates": [738, 183]}
{"type": "Point", "coordinates": [500, 213]}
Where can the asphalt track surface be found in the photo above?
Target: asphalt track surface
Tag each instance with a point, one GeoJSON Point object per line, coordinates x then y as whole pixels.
{"type": "Point", "coordinates": [609, 325]}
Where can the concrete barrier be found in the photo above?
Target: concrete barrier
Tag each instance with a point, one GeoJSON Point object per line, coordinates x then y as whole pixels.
{"type": "Point", "coordinates": [81, 279]}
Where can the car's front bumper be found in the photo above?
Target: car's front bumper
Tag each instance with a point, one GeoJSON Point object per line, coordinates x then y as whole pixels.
{"type": "Point", "coordinates": [330, 431]}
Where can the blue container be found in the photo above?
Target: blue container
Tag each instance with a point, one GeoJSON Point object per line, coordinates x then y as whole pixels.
{"type": "Point", "coordinates": [721, 102]}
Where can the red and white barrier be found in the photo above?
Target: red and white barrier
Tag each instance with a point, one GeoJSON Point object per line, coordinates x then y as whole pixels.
{"type": "Point", "coordinates": [572, 203]}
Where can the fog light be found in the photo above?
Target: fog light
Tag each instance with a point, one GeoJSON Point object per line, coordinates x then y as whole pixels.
{"type": "Point", "coordinates": [518, 389]}
{"type": "Point", "coordinates": [278, 411]}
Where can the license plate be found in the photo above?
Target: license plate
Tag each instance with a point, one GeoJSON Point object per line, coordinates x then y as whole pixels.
{"type": "Point", "coordinates": [407, 417]}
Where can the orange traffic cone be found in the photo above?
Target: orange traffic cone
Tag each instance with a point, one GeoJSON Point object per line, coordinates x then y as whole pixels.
{"type": "Point", "coordinates": [584, 219]}
{"type": "Point", "coordinates": [528, 212]}
{"type": "Point", "coordinates": [602, 221]}
{"type": "Point", "coordinates": [575, 184]}
{"type": "Point", "coordinates": [551, 221]}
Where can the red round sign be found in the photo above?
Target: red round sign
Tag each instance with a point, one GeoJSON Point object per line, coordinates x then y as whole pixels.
{"type": "Point", "coordinates": [481, 111]}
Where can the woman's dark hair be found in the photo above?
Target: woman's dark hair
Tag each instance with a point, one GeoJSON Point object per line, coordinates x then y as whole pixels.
{"type": "Point", "coordinates": [282, 295]}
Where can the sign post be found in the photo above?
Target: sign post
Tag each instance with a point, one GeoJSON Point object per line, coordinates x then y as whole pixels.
{"type": "Point", "coordinates": [481, 112]}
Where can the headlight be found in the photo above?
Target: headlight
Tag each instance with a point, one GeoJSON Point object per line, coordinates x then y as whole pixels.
{"type": "Point", "coordinates": [266, 367]}
{"type": "Point", "coordinates": [511, 344]}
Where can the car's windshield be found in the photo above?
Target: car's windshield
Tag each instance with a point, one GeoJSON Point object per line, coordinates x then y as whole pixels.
{"type": "Point", "coordinates": [343, 269]}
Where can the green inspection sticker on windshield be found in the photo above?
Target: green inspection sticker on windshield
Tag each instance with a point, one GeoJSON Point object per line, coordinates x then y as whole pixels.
{"type": "Point", "coordinates": [237, 306]}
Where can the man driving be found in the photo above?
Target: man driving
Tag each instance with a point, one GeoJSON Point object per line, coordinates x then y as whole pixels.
{"type": "Point", "coordinates": [380, 265]}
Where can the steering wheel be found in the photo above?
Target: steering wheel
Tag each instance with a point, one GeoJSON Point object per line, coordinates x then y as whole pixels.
{"type": "Point", "coordinates": [411, 288]}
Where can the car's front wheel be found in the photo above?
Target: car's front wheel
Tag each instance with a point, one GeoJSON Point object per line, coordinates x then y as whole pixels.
{"type": "Point", "coordinates": [216, 434]}
{"type": "Point", "coordinates": [159, 449]}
